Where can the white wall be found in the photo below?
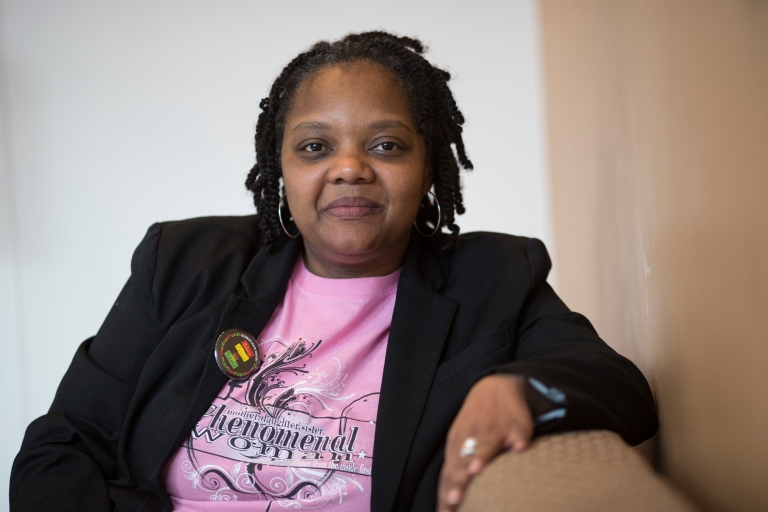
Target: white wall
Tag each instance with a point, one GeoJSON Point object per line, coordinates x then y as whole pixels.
{"type": "Point", "coordinates": [119, 114]}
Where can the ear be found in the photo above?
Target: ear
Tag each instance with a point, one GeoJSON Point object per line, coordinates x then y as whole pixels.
{"type": "Point", "coordinates": [426, 184]}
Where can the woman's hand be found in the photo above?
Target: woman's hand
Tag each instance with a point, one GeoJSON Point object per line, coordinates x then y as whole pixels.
{"type": "Point", "coordinates": [496, 415]}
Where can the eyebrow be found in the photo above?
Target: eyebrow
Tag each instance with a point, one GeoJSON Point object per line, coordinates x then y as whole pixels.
{"type": "Point", "coordinates": [312, 125]}
{"type": "Point", "coordinates": [376, 125]}
{"type": "Point", "coordinates": [388, 123]}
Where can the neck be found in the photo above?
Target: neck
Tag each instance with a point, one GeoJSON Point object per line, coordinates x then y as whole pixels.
{"type": "Point", "coordinates": [349, 267]}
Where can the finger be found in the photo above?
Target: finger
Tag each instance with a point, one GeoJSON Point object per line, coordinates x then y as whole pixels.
{"type": "Point", "coordinates": [475, 466]}
{"type": "Point", "coordinates": [452, 499]}
{"type": "Point", "coordinates": [519, 437]}
{"type": "Point", "coordinates": [448, 496]}
{"type": "Point", "coordinates": [458, 471]}
{"type": "Point", "coordinates": [452, 479]}
{"type": "Point", "coordinates": [485, 453]}
{"type": "Point", "coordinates": [450, 488]}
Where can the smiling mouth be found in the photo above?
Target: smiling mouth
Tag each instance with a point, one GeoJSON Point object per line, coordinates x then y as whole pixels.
{"type": "Point", "coordinates": [353, 207]}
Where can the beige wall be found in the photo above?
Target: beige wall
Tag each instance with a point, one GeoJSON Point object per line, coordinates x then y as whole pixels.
{"type": "Point", "coordinates": [658, 134]}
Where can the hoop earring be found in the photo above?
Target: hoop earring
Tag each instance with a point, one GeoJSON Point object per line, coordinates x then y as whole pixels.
{"type": "Point", "coordinates": [439, 218]}
{"type": "Point", "coordinates": [280, 218]}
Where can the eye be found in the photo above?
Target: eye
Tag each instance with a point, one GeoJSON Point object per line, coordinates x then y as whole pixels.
{"type": "Point", "coordinates": [313, 147]}
{"type": "Point", "coordinates": [386, 146]}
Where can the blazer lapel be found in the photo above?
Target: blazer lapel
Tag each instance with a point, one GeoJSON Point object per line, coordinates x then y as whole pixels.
{"type": "Point", "coordinates": [420, 324]}
{"type": "Point", "coordinates": [264, 282]}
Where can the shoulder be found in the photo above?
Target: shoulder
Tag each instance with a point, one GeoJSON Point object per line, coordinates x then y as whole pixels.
{"type": "Point", "coordinates": [501, 257]}
{"type": "Point", "coordinates": [183, 258]}
{"type": "Point", "coordinates": [237, 229]}
{"type": "Point", "coordinates": [203, 236]}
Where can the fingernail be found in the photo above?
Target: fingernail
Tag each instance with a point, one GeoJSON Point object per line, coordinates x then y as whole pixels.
{"type": "Point", "coordinates": [475, 466]}
{"type": "Point", "coordinates": [453, 496]}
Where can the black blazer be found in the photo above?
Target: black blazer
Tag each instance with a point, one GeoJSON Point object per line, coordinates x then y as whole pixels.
{"type": "Point", "coordinates": [134, 392]}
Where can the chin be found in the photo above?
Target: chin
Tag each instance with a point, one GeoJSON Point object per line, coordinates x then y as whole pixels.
{"type": "Point", "coordinates": [354, 247]}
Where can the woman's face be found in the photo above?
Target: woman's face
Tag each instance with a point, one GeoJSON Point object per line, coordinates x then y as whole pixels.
{"type": "Point", "coordinates": [355, 169]}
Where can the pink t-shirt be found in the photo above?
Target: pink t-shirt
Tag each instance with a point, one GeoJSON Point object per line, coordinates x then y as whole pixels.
{"type": "Point", "coordinates": [299, 433]}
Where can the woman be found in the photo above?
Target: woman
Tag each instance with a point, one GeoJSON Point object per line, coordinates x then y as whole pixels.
{"type": "Point", "coordinates": [378, 361]}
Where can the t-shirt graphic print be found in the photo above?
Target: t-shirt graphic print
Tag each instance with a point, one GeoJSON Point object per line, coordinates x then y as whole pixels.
{"type": "Point", "coordinates": [298, 434]}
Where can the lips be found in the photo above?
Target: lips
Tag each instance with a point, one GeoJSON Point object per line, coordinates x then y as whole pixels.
{"type": "Point", "coordinates": [353, 207]}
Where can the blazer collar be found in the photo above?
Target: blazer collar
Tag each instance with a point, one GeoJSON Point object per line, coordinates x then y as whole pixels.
{"type": "Point", "coordinates": [266, 278]}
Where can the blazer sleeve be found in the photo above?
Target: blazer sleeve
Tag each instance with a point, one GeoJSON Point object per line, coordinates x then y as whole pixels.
{"type": "Point", "coordinates": [558, 347]}
{"type": "Point", "coordinates": [69, 455]}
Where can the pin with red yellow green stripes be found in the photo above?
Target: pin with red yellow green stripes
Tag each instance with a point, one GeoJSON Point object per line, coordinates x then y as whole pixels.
{"type": "Point", "coordinates": [237, 354]}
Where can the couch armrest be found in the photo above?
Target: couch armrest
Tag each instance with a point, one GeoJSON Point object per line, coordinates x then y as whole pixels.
{"type": "Point", "coordinates": [590, 471]}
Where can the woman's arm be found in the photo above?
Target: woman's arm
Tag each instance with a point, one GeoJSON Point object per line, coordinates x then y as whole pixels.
{"type": "Point", "coordinates": [69, 456]}
{"type": "Point", "coordinates": [561, 348]}
{"type": "Point", "coordinates": [596, 387]}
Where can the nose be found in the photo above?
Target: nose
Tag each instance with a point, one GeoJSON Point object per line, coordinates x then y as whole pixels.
{"type": "Point", "coordinates": [350, 166]}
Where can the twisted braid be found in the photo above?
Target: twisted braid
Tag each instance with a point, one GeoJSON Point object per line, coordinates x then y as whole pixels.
{"type": "Point", "coordinates": [438, 118]}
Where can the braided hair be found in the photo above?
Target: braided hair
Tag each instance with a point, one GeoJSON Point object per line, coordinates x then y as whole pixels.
{"type": "Point", "coordinates": [438, 118]}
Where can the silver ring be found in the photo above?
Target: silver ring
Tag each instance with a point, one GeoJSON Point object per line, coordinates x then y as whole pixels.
{"type": "Point", "coordinates": [469, 447]}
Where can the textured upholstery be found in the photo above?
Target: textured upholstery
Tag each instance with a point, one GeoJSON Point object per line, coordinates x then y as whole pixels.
{"type": "Point", "coordinates": [592, 471]}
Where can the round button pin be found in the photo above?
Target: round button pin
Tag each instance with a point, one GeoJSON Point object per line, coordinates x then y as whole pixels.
{"type": "Point", "coordinates": [237, 354]}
